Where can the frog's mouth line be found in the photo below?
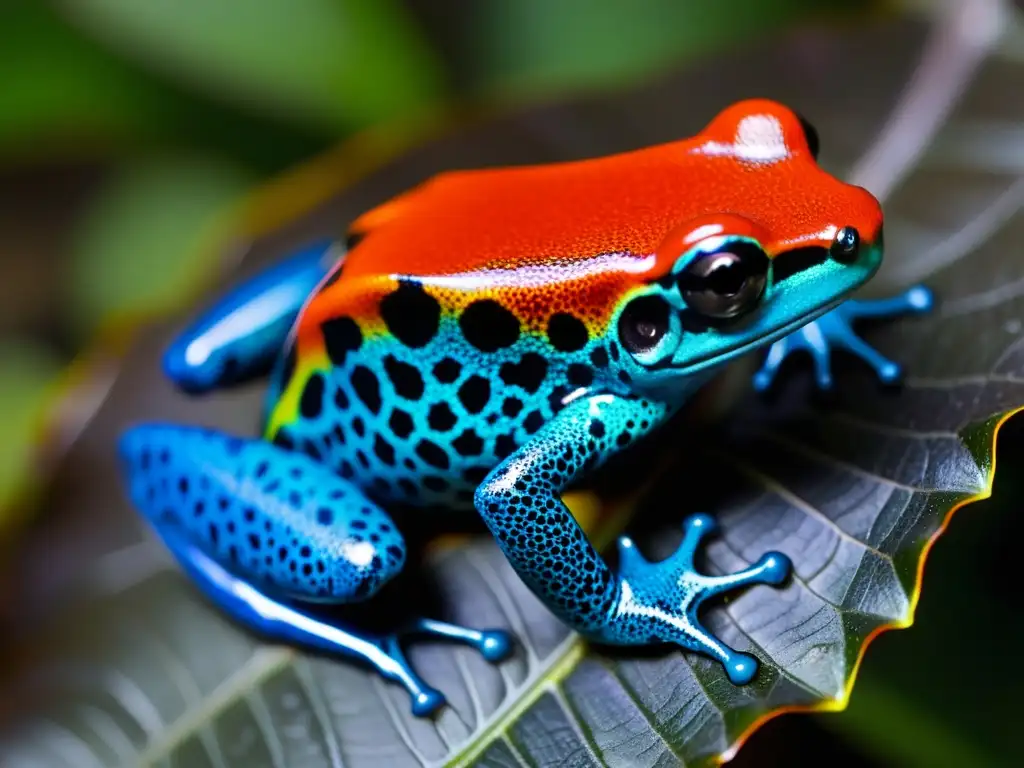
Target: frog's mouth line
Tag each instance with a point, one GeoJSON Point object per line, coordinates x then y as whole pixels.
{"type": "Point", "coordinates": [729, 353]}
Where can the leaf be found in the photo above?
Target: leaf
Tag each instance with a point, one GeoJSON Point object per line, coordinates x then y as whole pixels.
{"type": "Point", "coordinates": [138, 246]}
{"type": "Point", "coordinates": [323, 63]}
{"type": "Point", "coordinates": [141, 670]}
{"type": "Point", "coordinates": [27, 373]}
{"type": "Point", "coordinates": [535, 47]}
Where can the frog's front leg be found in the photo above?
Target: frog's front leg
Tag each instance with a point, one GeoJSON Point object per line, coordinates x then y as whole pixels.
{"type": "Point", "coordinates": [239, 337]}
{"type": "Point", "coordinates": [644, 602]}
{"type": "Point", "coordinates": [262, 530]}
{"type": "Point", "coordinates": [835, 330]}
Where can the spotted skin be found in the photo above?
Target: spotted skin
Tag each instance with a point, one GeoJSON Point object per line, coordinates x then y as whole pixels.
{"type": "Point", "coordinates": [278, 519]}
{"type": "Point", "coordinates": [488, 339]}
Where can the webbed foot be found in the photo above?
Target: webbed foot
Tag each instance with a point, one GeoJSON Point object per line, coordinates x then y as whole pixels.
{"type": "Point", "coordinates": [289, 623]}
{"type": "Point", "coordinates": [661, 600]}
{"type": "Point", "coordinates": [834, 330]}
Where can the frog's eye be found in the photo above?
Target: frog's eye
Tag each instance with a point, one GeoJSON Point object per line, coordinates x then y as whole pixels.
{"type": "Point", "coordinates": [726, 282]}
{"type": "Point", "coordinates": [643, 324]}
{"type": "Point", "coordinates": [810, 136]}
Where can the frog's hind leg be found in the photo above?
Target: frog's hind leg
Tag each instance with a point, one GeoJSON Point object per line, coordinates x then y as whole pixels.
{"type": "Point", "coordinates": [262, 530]}
{"type": "Point", "coordinates": [240, 336]}
{"type": "Point", "coordinates": [834, 330]}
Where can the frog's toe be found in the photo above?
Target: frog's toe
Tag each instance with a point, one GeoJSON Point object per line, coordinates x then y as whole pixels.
{"type": "Point", "coordinates": [834, 330]}
{"type": "Point", "coordinates": [493, 644]}
{"type": "Point", "coordinates": [427, 702]}
{"type": "Point", "coordinates": [742, 668]}
{"type": "Point", "coordinates": [661, 600]}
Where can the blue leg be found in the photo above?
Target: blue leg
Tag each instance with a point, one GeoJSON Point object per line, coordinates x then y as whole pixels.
{"type": "Point", "coordinates": [262, 530]}
{"type": "Point", "coordinates": [644, 602]}
{"type": "Point", "coordinates": [835, 330]}
{"type": "Point", "coordinates": [239, 338]}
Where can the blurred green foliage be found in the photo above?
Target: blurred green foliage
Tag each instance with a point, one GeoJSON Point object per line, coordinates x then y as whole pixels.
{"type": "Point", "coordinates": [187, 104]}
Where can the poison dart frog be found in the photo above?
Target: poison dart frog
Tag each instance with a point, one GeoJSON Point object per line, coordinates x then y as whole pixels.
{"type": "Point", "coordinates": [484, 341]}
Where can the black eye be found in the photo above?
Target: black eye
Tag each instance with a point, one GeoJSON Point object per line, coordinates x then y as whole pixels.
{"type": "Point", "coordinates": [643, 323]}
{"type": "Point", "coordinates": [846, 246]}
{"type": "Point", "coordinates": [810, 136]}
{"type": "Point", "coordinates": [727, 282]}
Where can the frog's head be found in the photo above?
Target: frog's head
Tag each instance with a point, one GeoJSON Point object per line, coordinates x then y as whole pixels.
{"type": "Point", "coordinates": [788, 243]}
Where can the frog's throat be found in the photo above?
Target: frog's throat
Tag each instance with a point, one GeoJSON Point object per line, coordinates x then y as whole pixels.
{"type": "Point", "coordinates": [724, 356]}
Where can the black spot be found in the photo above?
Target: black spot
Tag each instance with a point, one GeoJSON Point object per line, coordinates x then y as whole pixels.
{"type": "Point", "coordinates": [312, 401]}
{"type": "Point", "coordinates": [505, 446]}
{"type": "Point", "coordinates": [533, 421]}
{"type": "Point", "coordinates": [447, 370]}
{"type": "Point", "coordinates": [291, 359]}
{"type": "Point", "coordinates": [567, 332]}
{"type": "Point", "coordinates": [324, 516]}
{"type": "Point", "coordinates": [580, 375]}
{"type": "Point", "coordinates": [441, 418]}
{"type": "Point", "coordinates": [383, 450]}
{"type": "Point", "coordinates": [528, 373]}
{"type": "Point", "coordinates": [597, 428]}
{"type": "Point", "coordinates": [411, 314]}
{"type": "Point", "coordinates": [468, 443]}
{"type": "Point", "coordinates": [474, 393]}
{"type": "Point", "coordinates": [488, 326]}
{"type": "Point", "coordinates": [283, 440]}
{"type": "Point", "coordinates": [599, 357]}
{"type": "Point", "coordinates": [615, 352]}
{"type": "Point", "coordinates": [408, 486]}
{"type": "Point", "coordinates": [405, 378]}
{"type": "Point", "coordinates": [312, 451]}
{"type": "Point", "coordinates": [475, 475]}
{"type": "Point", "coordinates": [436, 484]}
{"type": "Point", "coordinates": [512, 406]}
{"type": "Point", "coordinates": [341, 399]}
{"type": "Point", "coordinates": [624, 377]}
{"type": "Point", "coordinates": [367, 387]}
{"type": "Point", "coordinates": [358, 426]}
{"type": "Point", "coordinates": [400, 423]}
{"type": "Point", "coordinates": [341, 336]}
{"type": "Point", "coordinates": [432, 453]}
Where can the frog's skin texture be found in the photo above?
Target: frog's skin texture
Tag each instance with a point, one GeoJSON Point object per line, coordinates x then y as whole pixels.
{"type": "Point", "coordinates": [486, 340]}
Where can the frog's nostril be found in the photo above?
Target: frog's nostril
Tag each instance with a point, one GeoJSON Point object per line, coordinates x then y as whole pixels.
{"type": "Point", "coordinates": [846, 246]}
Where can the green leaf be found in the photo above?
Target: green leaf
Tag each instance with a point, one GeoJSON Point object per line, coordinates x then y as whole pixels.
{"type": "Point", "coordinates": [142, 242]}
{"type": "Point", "coordinates": [326, 63]}
{"type": "Point", "coordinates": [28, 373]}
{"type": "Point", "coordinates": [67, 95]}
{"type": "Point", "coordinates": [140, 669]}
{"type": "Point", "coordinates": [531, 47]}
{"type": "Point", "coordinates": [52, 81]}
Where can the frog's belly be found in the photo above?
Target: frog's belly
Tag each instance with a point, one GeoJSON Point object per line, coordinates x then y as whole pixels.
{"type": "Point", "coordinates": [425, 426]}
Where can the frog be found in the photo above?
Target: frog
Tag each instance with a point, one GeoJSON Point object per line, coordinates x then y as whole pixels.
{"type": "Point", "coordinates": [485, 341]}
